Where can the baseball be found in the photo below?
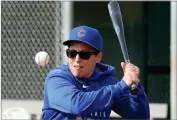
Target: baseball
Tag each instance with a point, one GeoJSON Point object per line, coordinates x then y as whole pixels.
{"type": "Point", "coordinates": [42, 58]}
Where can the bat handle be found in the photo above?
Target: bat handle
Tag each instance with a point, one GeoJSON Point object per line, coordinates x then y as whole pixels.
{"type": "Point", "coordinates": [134, 88]}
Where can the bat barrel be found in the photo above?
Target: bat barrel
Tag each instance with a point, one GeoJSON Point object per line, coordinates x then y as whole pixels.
{"type": "Point", "coordinates": [116, 17]}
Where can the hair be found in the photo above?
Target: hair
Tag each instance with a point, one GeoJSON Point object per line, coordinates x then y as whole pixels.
{"type": "Point", "coordinates": [97, 51]}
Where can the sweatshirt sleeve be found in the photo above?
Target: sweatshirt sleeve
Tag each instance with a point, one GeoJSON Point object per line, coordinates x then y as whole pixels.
{"type": "Point", "coordinates": [130, 106]}
{"type": "Point", "coordinates": [63, 95]}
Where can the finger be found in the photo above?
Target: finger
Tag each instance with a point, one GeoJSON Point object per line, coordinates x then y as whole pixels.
{"type": "Point", "coordinates": [130, 74]}
{"type": "Point", "coordinates": [131, 65]}
{"type": "Point", "coordinates": [123, 65]}
{"type": "Point", "coordinates": [137, 81]}
{"type": "Point", "coordinates": [133, 69]}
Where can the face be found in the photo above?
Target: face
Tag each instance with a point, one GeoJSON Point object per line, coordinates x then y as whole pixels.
{"type": "Point", "coordinates": [83, 68]}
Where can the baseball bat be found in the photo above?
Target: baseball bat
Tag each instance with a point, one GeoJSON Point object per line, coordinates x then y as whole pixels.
{"type": "Point", "coordinates": [116, 17]}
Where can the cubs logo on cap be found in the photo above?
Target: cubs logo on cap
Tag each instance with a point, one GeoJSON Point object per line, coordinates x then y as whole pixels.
{"type": "Point", "coordinates": [87, 35]}
{"type": "Point", "coordinates": [81, 33]}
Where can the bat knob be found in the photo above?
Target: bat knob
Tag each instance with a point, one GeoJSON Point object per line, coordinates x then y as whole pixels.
{"type": "Point", "coordinates": [134, 89]}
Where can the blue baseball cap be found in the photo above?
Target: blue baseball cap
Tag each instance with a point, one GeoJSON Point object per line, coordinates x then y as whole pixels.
{"type": "Point", "coordinates": [87, 35]}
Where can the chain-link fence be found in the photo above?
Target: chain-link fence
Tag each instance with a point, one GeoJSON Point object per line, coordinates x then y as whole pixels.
{"type": "Point", "coordinates": [28, 27]}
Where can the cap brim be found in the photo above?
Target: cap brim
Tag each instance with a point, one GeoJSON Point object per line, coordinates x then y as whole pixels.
{"type": "Point", "coordinates": [67, 42]}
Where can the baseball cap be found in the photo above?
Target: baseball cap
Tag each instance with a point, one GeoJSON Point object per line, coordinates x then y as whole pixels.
{"type": "Point", "coordinates": [85, 34]}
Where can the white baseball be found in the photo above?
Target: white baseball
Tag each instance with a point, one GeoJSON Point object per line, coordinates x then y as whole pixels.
{"type": "Point", "coordinates": [42, 58]}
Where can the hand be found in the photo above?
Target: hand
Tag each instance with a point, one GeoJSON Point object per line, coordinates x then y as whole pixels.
{"type": "Point", "coordinates": [131, 74]}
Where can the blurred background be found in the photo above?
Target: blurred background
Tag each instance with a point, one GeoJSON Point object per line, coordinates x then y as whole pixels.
{"type": "Point", "coordinates": [28, 27]}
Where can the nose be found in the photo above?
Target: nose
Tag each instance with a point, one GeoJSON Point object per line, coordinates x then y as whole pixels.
{"type": "Point", "coordinates": [77, 58]}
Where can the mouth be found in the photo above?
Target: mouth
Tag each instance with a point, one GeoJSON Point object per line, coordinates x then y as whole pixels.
{"type": "Point", "coordinates": [78, 67]}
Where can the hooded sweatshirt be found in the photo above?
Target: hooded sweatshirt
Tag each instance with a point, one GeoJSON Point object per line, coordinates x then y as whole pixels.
{"type": "Point", "coordinates": [68, 97]}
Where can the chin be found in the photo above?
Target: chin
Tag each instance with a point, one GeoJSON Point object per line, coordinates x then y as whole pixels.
{"type": "Point", "coordinates": [77, 74]}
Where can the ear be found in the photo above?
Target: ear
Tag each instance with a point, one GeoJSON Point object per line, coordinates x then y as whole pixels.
{"type": "Point", "coordinates": [99, 57]}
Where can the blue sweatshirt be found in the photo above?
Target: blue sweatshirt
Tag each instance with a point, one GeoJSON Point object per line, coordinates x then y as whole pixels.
{"type": "Point", "coordinates": [68, 97]}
